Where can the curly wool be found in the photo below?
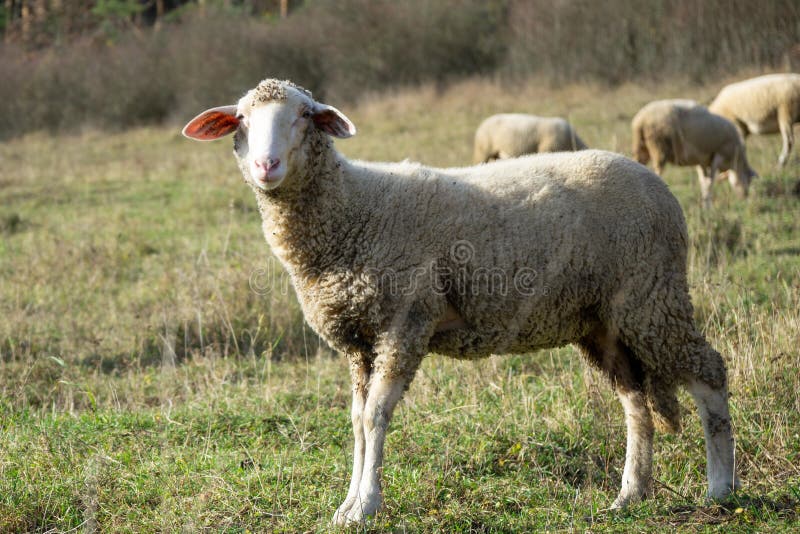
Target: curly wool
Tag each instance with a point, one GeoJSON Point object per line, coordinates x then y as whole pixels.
{"type": "Point", "coordinates": [271, 90]}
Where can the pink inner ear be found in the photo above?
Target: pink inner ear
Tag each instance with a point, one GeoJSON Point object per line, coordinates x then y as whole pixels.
{"type": "Point", "coordinates": [211, 125]}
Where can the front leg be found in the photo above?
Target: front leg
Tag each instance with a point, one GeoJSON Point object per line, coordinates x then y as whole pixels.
{"type": "Point", "coordinates": [399, 352]}
{"type": "Point", "coordinates": [712, 404]}
{"type": "Point", "coordinates": [706, 183]}
{"type": "Point", "coordinates": [707, 177]}
{"type": "Point", "coordinates": [384, 392]}
{"type": "Point", "coordinates": [787, 136]}
{"type": "Point", "coordinates": [359, 373]}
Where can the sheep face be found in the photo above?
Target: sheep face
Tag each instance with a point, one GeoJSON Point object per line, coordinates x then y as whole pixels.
{"type": "Point", "coordinates": [740, 181]}
{"type": "Point", "coordinates": [270, 135]}
{"type": "Point", "coordinates": [271, 123]}
{"type": "Point", "coordinates": [741, 175]}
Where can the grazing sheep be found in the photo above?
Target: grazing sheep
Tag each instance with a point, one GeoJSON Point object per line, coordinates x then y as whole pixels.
{"type": "Point", "coordinates": [685, 133]}
{"type": "Point", "coordinates": [510, 135]}
{"type": "Point", "coordinates": [763, 105]}
{"type": "Point", "coordinates": [393, 261]}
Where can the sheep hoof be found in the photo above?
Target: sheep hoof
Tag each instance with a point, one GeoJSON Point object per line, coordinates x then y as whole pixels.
{"type": "Point", "coordinates": [624, 500]}
{"type": "Point", "coordinates": [350, 518]}
{"type": "Point", "coordinates": [340, 517]}
{"type": "Point", "coordinates": [355, 512]}
{"type": "Point", "coordinates": [723, 491]}
{"type": "Point", "coordinates": [619, 503]}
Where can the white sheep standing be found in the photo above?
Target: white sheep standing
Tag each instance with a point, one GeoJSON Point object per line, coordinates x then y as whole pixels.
{"type": "Point", "coordinates": [510, 135]}
{"type": "Point", "coordinates": [393, 261]}
{"type": "Point", "coordinates": [763, 105]}
{"type": "Point", "coordinates": [684, 132]}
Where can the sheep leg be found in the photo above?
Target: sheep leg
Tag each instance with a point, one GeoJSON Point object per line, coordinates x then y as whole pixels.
{"type": "Point", "coordinates": [603, 348]}
{"type": "Point", "coordinates": [384, 393]}
{"type": "Point", "coordinates": [706, 183]}
{"type": "Point", "coordinates": [656, 322]}
{"type": "Point", "coordinates": [359, 371]}
{"type": "Point", "coordinates": [659, 162]}
{"type": "Point", "coordinates": [399, 353]}
{"type": "Point", "coordinates": [639, 449]}
{"type": "Point", "coordinates": [744, 131]}
{"type": "Point", "coordinates": [712, 404]}
{"type": "Point", "coordinates": [657, 156]}
{"type": "Point", "coordinates": [787, 135]}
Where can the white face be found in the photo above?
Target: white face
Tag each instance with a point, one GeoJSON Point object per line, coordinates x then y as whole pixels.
{"type": "Point", "coordinates": [740, 181]}
{"type": "Point", "coordinates": [273, 130]}
{"type": "Point", "coordinates": [741, 176]}
{"type": "Point", "coordinates": [269, 135]}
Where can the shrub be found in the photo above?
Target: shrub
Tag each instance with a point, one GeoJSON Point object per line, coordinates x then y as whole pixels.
{"type": "Point", "coordinates": [342, 49]}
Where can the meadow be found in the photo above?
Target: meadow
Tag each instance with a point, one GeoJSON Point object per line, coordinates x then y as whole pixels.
{"type": "Point", "coordinates": [156, 374]}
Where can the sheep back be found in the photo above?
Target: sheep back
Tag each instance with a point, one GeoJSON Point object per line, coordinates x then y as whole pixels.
{"type": "Point", "coordinates": [754, 104]}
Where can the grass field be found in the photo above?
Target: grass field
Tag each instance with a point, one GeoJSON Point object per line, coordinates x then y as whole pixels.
{"type": "Point", "coordinates": [156, 373]}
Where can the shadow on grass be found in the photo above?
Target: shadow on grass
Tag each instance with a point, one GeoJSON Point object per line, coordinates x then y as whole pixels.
{"type": "Point", "coordinates": [775, 188]}
{"type": "Point", "coordinates": [785, 251]}
{"type": "Point", "coordinates": [216, 339]}
{"type": "Point", "coordinates": [739, 510]}
{"type": "Point", "coordinates": [35, 371]}
{"type": "Point", "coordinates": [556, 456]}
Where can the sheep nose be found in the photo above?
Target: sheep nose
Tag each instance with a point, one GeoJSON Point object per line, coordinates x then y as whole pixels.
{"type": "Point", "coordinates": [269, 164]}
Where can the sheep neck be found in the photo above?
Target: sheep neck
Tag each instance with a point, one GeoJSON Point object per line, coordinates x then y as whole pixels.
{"type": "Point", "coordinates": [301, 218]}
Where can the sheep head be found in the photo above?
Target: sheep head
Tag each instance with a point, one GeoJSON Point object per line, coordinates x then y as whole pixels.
{"type": "Point", "coordinates": [741, 175]}
{"type": "Point", "coordinates": [271, 123]}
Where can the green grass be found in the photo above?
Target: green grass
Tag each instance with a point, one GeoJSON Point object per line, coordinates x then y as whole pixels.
{"type": "Point", "coordinates": [156, 374]}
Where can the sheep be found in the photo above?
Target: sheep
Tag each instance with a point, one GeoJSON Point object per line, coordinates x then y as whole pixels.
{"type": "Point", "coordinates": [391, 262]}
{"type": "Point", "coordinates": [510, 135]}
{"type": "Point", "coordinates": [763, 105]}
{"type": "Point", "coordinates": [684, 132]}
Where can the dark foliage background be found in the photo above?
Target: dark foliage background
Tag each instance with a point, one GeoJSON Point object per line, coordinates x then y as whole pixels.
{"type": "Point", "coordinates": [115, 65]}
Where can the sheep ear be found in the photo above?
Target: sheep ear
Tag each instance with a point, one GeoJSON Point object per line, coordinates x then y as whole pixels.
{"type": "Point", "coordinates": [333, 122]}
{"type": "Point", "coordinates": [212, 124]}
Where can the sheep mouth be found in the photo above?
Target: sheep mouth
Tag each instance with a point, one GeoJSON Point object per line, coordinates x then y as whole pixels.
{"type": "Point", "coordinates": [269, 181]}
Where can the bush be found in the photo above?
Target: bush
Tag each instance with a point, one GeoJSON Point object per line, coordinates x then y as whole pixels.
{"type": "Point", "coordinates": [369, 45]}
{"type": "Point", "coordinates": [613, 42]}
{"type": "Point", "coordinates": [342, 49]}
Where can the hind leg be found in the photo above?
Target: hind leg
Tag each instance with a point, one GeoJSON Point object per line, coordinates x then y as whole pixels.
{"type": "Point", "coordinates": [787, 136]}
{"type": "Point", "coordinates": [711, 398]}
{"type": "Point", "coordinates": [637, 475]}
{"type": "Point", "coordinates": [603, 349]}
{"type": "Point", "coordinates": [657, 323]}
{"type": "Point", "coordinates": [706, 183]}
{"type": "Point", "coordinates": [657, 156]}
{"type": "Point", "coordinates": [707, 176]}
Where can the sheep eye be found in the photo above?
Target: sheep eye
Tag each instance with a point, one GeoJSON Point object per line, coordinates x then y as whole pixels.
{"type": "Point", "coordinates": [306, 114]}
